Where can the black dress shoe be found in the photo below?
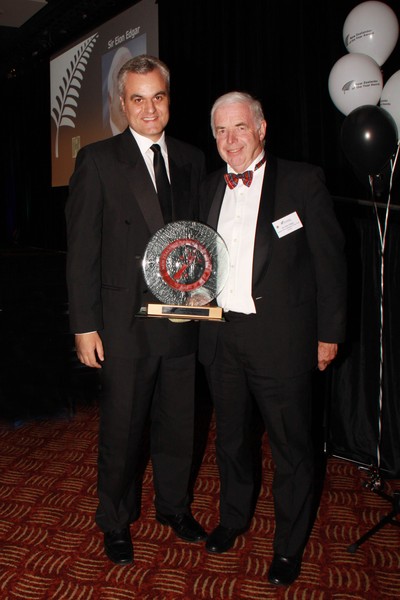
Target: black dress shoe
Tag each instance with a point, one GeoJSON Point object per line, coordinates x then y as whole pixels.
{"type": "Point", "coordinates": [284, 569]}
{"type": "Point", "coordinates": [184, 525]}
{"type": "Point", "coordinates": [222, 538]}
{"type": "Point", "coordinates": [118, 546]}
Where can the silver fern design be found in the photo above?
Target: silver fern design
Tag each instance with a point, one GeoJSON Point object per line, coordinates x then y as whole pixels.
{"type": "Point", "coordinates": [67, 74]}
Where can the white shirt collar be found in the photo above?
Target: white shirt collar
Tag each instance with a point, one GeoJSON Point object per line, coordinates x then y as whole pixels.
{"type": "Point", "coordinates": [145, 143]}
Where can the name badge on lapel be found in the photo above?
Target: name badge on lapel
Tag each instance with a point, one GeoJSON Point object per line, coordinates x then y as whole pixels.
{"type": "Point", "coordinates": [287, 224]}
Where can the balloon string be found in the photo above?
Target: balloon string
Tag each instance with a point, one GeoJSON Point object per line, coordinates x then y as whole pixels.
{"type": "Point", "coordinates": [382, 237]}
{"type": "Point", "coordinates": [382, 234]}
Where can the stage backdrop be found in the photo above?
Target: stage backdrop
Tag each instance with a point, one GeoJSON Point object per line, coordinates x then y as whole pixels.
{"type": "Point", "coordinates": [84, 99]}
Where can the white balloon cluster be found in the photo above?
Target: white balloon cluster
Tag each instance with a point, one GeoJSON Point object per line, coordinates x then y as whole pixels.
{"type": "Point", "coordinates": [370, 34]}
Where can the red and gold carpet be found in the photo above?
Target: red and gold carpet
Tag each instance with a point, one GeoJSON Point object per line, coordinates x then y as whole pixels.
{"type": "Point", "coordinates": [51, 549]}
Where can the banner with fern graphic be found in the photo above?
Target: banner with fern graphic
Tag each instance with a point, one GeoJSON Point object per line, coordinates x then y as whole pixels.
{"type": "Point", "coordinates": [84, 101]}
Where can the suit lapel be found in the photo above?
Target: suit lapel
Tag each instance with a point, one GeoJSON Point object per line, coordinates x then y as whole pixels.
{"type": "Point", "coordinates": [264, 231]}
{"type": "Point", "coordinates": [217, 198]}
{"type": "Point", "coordinates": [179, 175]}
{"type": "Point", "coordinates": [180, 172]}
{"type": "Point", "coordinates": [139, 180]}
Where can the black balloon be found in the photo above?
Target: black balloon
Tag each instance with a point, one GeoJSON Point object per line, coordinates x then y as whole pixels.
{"type": "Point", "coordinates": [369, 138]}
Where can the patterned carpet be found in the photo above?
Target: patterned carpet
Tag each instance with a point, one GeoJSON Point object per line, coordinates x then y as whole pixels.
{"type": "Point", "coordinates": [51, 549]}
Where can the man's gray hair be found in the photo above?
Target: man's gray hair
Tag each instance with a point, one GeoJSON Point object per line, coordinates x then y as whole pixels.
{"type": "Point", "coordinates": [142, 65]}
{"type": "Point", "coordinates": [242, 98]}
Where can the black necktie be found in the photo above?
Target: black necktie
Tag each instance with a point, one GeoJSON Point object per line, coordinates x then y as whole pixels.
{"type": "Point", "coordinates": [162, 183]}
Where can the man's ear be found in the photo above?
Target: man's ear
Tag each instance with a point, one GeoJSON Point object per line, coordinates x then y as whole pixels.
{"type": "Point", "coordinates": [263, 130]}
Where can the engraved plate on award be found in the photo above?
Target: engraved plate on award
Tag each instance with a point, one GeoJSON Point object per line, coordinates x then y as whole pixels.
{"type": "Point", "coordinates": [185, 265]}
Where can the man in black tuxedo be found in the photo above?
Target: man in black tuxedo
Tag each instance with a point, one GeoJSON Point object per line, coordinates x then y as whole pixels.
{"type": "Point", "coordinates": [284, 304]}
{"type": "Point", "coordinates": [147, 365]}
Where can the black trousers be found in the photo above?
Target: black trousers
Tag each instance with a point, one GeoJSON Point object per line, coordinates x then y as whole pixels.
{"type": "Point", "coordinates": [132, 391]}
{"type": "Point", "coordinates": [236, 380]}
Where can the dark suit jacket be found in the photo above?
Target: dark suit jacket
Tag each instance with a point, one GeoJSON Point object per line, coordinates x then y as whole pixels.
{"type": "Point", "coordinates": [112, 211]}
{"type": "Point", "coordinates": [299, 280]}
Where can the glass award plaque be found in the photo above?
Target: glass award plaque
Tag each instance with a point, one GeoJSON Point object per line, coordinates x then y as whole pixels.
{"type": "Point", "coordinates": [185, 265]}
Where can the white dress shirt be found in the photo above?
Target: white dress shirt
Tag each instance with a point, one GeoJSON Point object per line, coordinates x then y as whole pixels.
{"type": "Point", "coordinates": [237, 227]}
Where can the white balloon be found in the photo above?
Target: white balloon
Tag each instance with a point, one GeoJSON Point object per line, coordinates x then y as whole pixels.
{"type": "Point", "coordinates": [371, 28]}
{"type": "Point", "coordinates": [355, 80]}
{"type": "Point", "coordinates": [390, 99]}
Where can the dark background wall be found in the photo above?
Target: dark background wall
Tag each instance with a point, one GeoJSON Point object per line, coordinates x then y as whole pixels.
{"type": "Point", "coordinates": [282, 52]}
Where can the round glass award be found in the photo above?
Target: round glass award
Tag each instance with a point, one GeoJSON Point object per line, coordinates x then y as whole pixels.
{"type": "Point", "coordinates": [186, 264]}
